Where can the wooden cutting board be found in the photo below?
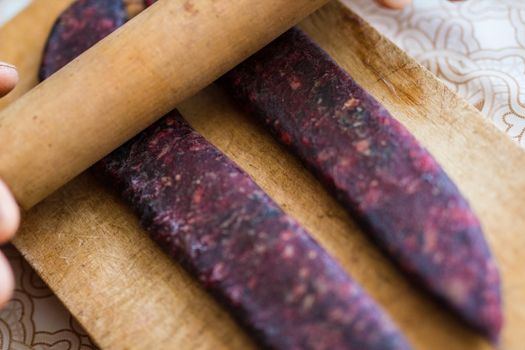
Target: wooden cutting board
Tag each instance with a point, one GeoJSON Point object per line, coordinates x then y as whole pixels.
{"type": "Point", "coordinates": [89, 248]}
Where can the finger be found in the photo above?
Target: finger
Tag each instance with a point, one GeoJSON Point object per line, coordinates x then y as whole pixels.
{"type": "Point", "coordinates": [7, 281]}
{"type": "Point", "coordinates": [9, 214]}
{"type": "Point", "coordinates": [394, 4]}
{"type": "Point", "coordinates": [8, 78]}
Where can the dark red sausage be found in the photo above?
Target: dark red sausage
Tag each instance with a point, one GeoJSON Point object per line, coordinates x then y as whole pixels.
{"type": "Point", "coordinates": [77, 29]}
{"type": "Point", "coordinates": [376, 168]}
{"type": "Point", "coordinates": [210, 215]}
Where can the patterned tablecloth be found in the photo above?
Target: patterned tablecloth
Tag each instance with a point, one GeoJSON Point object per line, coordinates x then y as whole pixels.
{"type": "Point", "coordinates": [477, 48]}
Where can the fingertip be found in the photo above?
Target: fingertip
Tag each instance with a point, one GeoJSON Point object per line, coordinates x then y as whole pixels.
{"type": "Point", "coordinates": [9, 214]}
{"type": "Point", "coordinates": [7, 281]}
{"type": "Point", "coordinates": [8, 78]}
{"type": "Point", "coordinates": [395, 4]}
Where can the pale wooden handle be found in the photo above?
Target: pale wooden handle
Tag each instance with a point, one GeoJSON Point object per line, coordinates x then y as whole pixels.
{"type": "Point", "coordinates": [126, 82]}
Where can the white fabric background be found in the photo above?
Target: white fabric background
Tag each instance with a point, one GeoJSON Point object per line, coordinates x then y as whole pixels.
{"type": "Point", "coordinates": [8, 8]}
{"type": "Point", "coordinates": [476, 47]}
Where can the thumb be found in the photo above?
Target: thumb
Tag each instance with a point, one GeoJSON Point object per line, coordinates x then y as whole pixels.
{"type": "Point", "coordinates": [8, 78]}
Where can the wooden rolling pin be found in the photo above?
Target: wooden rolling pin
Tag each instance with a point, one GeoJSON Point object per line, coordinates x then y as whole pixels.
{"type": "Point", "coordinates": [126, 82]}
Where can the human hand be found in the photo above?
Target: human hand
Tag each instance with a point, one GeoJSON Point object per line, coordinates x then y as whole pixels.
{"type": "Point", "coordinates": [397, 4]}
{"type": "Point", "coordinates": [394, 4]}
{"type": "Point", "coordinates": [9, 213]}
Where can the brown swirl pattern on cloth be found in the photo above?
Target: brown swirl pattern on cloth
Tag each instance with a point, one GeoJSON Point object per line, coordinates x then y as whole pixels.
{"type": "Point", "coordinates": [476, 47]}
{"type": "Point", "coordinates": [35, 318]}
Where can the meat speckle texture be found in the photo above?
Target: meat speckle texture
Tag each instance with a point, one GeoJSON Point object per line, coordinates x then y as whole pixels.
{"type": "Point", "coordinates": [376, 168]}
{"type": "Point", "coordinates": [210, 215]}
{"type": "Point", "coordinates": [77, 29]}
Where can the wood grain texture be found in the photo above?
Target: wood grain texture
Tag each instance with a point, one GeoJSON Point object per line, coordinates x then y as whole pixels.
{"type": "Point", "coordinates": [130, 79]}
{"type": "Point", "coordinates": [87, 245]}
